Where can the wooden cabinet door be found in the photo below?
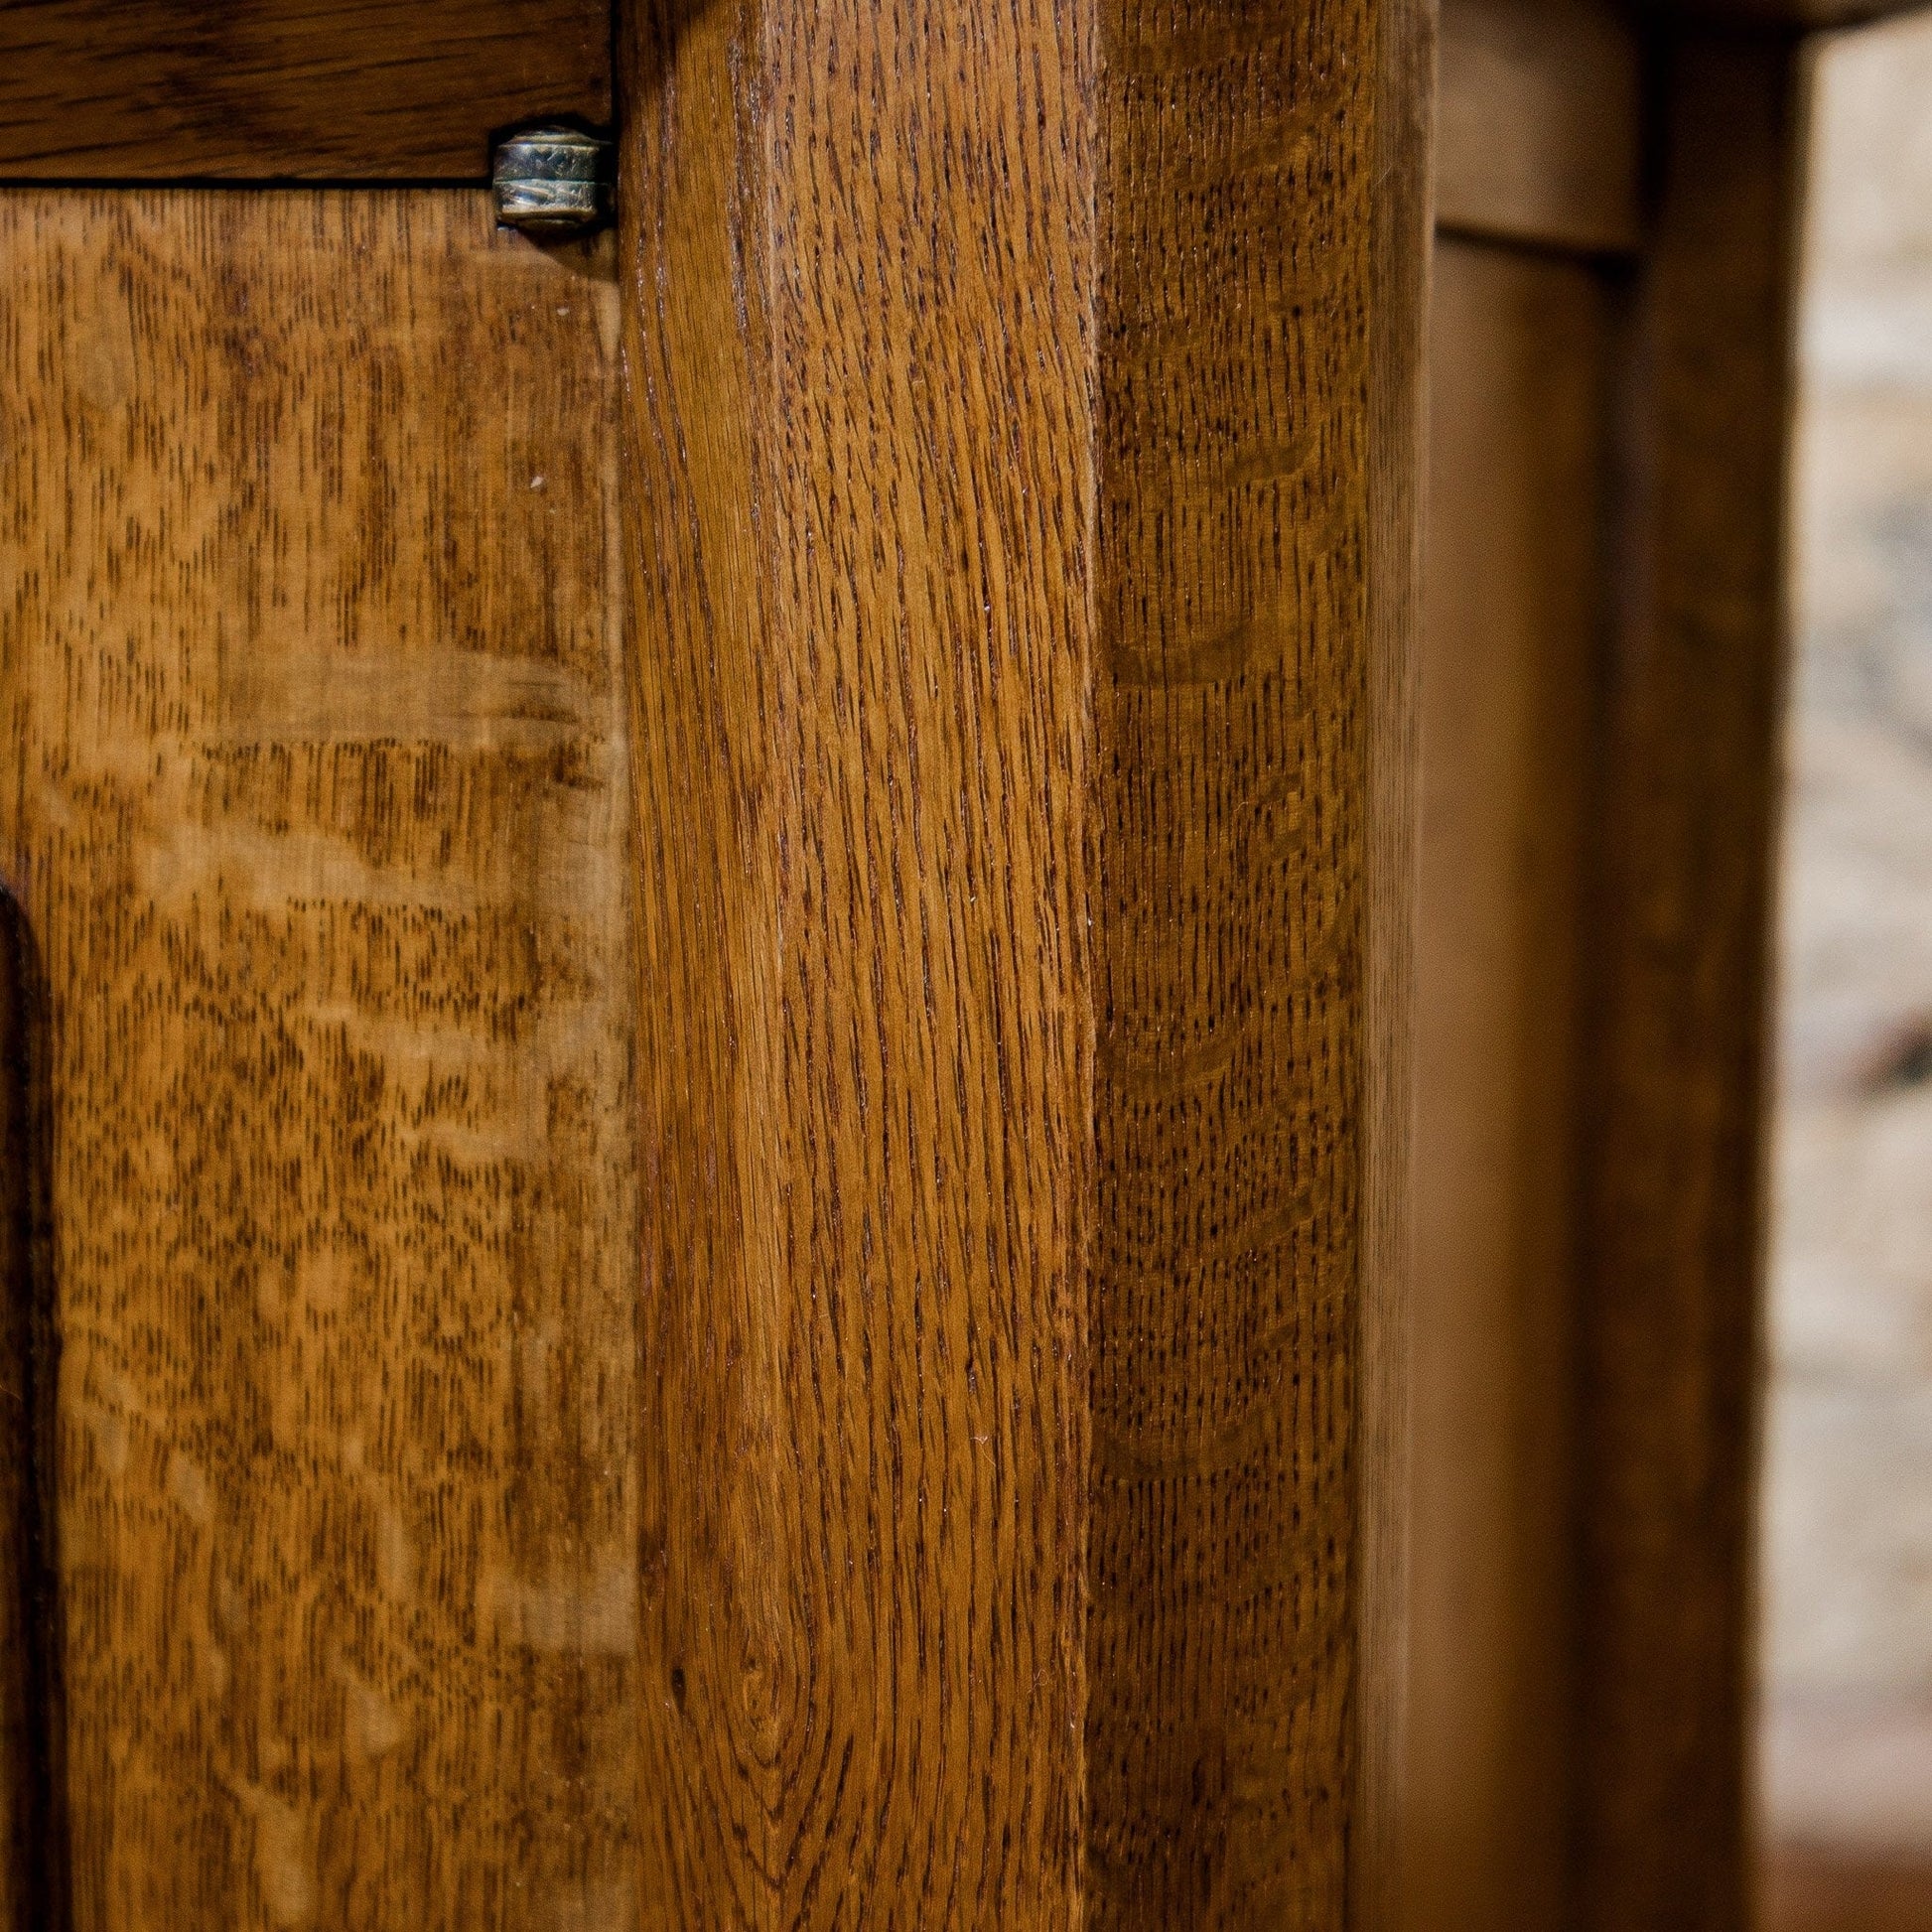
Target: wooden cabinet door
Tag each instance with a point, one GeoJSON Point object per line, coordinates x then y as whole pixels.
{"type": "Point", "coordinates": [706, 1105]}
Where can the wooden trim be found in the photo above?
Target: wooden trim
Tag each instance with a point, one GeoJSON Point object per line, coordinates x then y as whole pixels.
{"type": "Point", "coordinates": [1402, 237]}
{"type": "Point", "coordinates": [1674, 1101]}
{"type": "Point", "coordinates": [1022, 405]}
{"type": "Point", "coordinates": [1539, 127]}
{"type": "Point", "coordinates": [288, 90]}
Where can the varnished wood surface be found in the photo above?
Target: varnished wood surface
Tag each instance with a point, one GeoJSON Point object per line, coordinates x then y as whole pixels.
{"type": "Point", "coordinates": [1521, 380]}
{"type": "Point", "coordinates": [1253, 813]}
{"type": "Point", "coordinates": [1539, 127]}
{"type": "Point", "coordinates": [318, 811]}
{"type": "Point", "coordinates": [1680, 938]}
{"type": "Point", "coordinates": [266, 89]}
{"type": "Point", "coordinates": [857, 262]}
{"type": "Point", "coordinates": [1251, 1102]}
{"type": "Point", "coordinates": [1024, 604]}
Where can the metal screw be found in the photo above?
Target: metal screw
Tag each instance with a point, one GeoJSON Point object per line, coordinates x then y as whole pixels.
{"type": "Point", "coordinates": [550, 180]}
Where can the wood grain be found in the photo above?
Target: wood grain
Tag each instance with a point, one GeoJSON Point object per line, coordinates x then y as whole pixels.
{"type": "Point", "coordinates": [857, 262]}
{"type": "Point", "coordinates": [1023, 590]}
{"type": "Point", "coordinates": [281, 90]}
{"type": "Point", "coordinates": [309, 664]}
{"type": "Point", "coordinates": [1260, 344]}
{"type": "Point", "coordinates": [1675, 1089]}
{"type": "Point", "coordinates": [1540, 128]}
{"type": "Point", "coordinates": [1521, 379]}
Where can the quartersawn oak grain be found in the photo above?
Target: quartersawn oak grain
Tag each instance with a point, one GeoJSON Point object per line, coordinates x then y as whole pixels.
{"type": "Point", "coordinates": [279, 90]}
{"type": "Point", "coordinates": [1264, 188]}
{"type": "Point", "coordinates": [858, 268]}
{"type": "Point", "coordinates": [317, 812]}
{"type": "Point", "coordinates": [1021, 423]}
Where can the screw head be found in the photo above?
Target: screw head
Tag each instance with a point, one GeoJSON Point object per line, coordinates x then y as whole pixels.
{"type": "Point", "coordinates": [550, 180]}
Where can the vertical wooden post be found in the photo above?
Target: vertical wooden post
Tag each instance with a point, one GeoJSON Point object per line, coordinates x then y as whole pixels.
{"type": "Point", "coordinates": [1673, 1224]}
{"type": "Point", "coordinates": [1022, 404]}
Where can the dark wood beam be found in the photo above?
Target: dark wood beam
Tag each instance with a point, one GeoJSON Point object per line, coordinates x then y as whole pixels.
{"type": "Point", "coordinates": [288, 90]}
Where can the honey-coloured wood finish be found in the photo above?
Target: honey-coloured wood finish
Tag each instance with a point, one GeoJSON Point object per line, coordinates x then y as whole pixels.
{"type": "Point", "coordinates": [1021, 407]}
{"type": "Point", "coordinates": [318, 813]}
{"type": "Point", "coordinates": [279, 90]}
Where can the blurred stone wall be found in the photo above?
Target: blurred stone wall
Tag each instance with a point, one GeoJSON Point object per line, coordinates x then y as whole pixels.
{"type": "Point", "coordinates": [1847, 1563]}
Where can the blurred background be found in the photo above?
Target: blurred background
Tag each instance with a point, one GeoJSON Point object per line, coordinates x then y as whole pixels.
{"type": "Point", "coordinates": [1848, 1495]}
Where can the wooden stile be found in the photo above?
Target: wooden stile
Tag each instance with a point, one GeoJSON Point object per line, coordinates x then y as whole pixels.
{"type": "Point", "coordinates": [1675, 1069]}
{"type": "Point", "coordinates": [1022, 408]}
{"type": "Point", "coordinates": [1606, 558]}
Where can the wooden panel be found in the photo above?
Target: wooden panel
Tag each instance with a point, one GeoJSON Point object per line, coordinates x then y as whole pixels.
{"type": "Point", "coordinates": [263, 90]}
{"type": "Point", "coordinates": [318, 811]}
{"type": "Point", "coordinates": [1024, 608]}
{"type": "Point", "coordinates": [1540, 129]}
{"type": "Point", "coordinates": [1675, 1098]}
{"type": "Point", "coordinates": [1520, 387]}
